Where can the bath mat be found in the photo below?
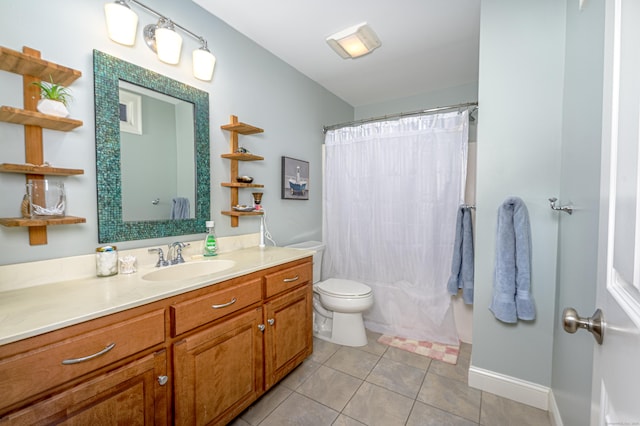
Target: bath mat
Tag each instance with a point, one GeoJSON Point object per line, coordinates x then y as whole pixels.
{"type": "Point", "coordinates": [439, 351]}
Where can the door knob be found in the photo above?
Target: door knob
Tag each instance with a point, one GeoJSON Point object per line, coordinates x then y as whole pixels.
{"type": "Point", "coordinates": [571, 322]}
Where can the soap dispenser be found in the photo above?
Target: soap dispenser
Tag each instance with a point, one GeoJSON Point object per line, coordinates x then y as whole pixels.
{"type": "Point", "coordinates": [210, 242]}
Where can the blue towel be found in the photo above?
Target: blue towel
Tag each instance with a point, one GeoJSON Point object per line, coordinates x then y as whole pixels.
{"type": "Point", "coordinates": [512, 274]}
{"type": "Point", "coordinates": [462, 263]}
{"type": "Point", "coordinates": [180, 208]}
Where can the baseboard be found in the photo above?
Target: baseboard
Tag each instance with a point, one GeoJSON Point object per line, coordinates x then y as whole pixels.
{"type": "Point", "coordinates": [554, 411]}
{"type": "Point", "coordinates": [509, 387]}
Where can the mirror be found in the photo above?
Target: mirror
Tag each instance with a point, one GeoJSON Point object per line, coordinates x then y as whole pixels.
{"type": "Point", "coordinates": [142, 179]}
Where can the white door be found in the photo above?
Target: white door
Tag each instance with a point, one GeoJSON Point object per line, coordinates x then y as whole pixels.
{"type": "Point", "coordinates": [616, 378]}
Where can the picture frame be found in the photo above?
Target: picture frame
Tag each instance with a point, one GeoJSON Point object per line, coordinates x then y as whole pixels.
{"type": "Point", "coordinates": [130, 112]}
{"type": "Point", "coordinates": [295, 179]}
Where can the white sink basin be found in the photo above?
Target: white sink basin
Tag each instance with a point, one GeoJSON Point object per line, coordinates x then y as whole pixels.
{"type": "Point", "coordinates": [188, 270]}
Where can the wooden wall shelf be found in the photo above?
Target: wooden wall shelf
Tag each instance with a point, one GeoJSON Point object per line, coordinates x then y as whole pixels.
{"type": "Point", "coordinates": [242, 157]}
{"type": "Point", "coordinates": [24, 64]}
{"type": "Point", "coordinates": [33, 70]}
{"type": "Point", "coordinates": [237, 128]}
{"type": "Point", "coordinates": [236, 214]}
{"type": "Point", "coordinates": [38, 170]}
{"type": "Point", "coordinates": [241, 128]}
{"type": "Point", "coordinates": [241, 185]}
{"type": "Point", "coordinates": [35, 118]}
{"type": "Point", "coordinates": [24, 221]}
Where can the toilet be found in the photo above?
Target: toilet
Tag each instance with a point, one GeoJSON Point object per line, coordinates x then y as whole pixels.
{"type": "Point", "coordinates": [337, 304]}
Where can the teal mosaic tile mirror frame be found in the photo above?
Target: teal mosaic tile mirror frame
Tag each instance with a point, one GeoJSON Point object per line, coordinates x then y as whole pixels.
{"type": "Point", "coordinates": [108, 70]}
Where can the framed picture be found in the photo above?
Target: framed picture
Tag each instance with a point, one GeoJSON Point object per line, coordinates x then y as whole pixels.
{"type": "Point", "coordinates": [130, 111]}
{"type": "Point", "coordinates": [295, 179]}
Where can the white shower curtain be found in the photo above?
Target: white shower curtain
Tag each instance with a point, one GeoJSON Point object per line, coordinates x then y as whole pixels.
{"type": "Point", "coordinates": [391, 194]}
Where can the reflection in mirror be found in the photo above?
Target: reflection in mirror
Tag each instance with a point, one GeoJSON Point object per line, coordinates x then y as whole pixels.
{"type": "Point", "coordinates": [140, 172]}
{"type": "Point", "coordinates": [157, 129]}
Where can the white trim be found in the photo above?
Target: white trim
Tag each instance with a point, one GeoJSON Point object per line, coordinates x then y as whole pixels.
{"type": "Point", "coordinates": [528, 393]}
{"type": "Point", "coordinates": [554, 411]}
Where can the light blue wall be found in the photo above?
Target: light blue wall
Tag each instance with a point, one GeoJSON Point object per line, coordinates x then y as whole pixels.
{"type": "Point", "coordinates": [580, 185]}
{"type": "Point", "coordinates": [248, 82]}
{"type": "Point", "coordinates": [519, 147]}
{"type": "Point", "coordinates": [444, 97]}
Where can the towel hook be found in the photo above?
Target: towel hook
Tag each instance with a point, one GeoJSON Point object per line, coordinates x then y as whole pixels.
{"type": "Point", "coordinates": [155, 202]}
{"type": "Point", "coordinates": [566, 209]}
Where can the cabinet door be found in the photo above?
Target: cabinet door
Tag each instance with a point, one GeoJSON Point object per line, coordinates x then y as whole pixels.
{"type": "Point", "coordinates": [130, 395]}
{"type": "Point", "coordinates": [289, 335]}
{"type": "Point", "coordinates": [218, 371]}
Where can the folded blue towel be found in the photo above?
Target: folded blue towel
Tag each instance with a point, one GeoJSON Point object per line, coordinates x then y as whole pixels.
{"type": "Point", "coordinates": [462, 263]}
{"type": "Point", "coordinates": [180, 208]}
{"type": "Point", "coordinates": [512, 275]}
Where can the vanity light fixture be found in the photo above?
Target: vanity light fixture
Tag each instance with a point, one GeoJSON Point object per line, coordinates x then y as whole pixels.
{"type": "Point", "coordinates": [162, 37]}
{"type": "Point", "coordinates": [122, 22]}
{"type": "Point", "coordinates": [203, 62]}
{"type": "Point", "coordinates": [355, 41]}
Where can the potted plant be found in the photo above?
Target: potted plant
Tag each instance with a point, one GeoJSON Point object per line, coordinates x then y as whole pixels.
{"type": "Point", "coordinates": [54, 98]}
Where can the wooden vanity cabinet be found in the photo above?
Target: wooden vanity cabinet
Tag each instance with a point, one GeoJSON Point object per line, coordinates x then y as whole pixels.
{"type": "Point", "coordinates": [288, 317]}
{"type": "Point", "coordinates": [218, 371]}
{"type": "Point", "coordinates": [129, 395]}
{"type": "Point", "coordinates": [288, 335]}
{"type": "Point", "coordinates": [198, 358]}
{"type": "Point", "coordinates": [222, 369]}
{"type": "Point", "coordinates": [104, 367]}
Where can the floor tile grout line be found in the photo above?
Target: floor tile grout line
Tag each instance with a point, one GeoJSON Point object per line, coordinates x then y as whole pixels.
{"type": "Point", "coordinates": [380, 356]}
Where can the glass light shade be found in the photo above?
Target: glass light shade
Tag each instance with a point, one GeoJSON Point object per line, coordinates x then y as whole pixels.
{"type": "Point", "coordinates": [354, 41]}
{"type": "Point", "coordinates": [203, 64]}
{"type": "Point", "coordinates": [168, 45]}
{"type": "Point", "coordinates": [353, 46]}
{"type": "Point", "coordinates": [122, 23]}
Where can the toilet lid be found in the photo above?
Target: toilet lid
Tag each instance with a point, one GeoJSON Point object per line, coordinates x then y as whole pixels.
{"type": "Point", "coordinates": [343, 288]}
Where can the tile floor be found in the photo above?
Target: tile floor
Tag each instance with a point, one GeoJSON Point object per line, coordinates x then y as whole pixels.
{"type": "Point", "coordinates": [381, 385]}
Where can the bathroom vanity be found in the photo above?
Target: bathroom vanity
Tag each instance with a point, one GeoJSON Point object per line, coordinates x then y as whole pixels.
{"type": "Point", "coordinates": [197, 351]}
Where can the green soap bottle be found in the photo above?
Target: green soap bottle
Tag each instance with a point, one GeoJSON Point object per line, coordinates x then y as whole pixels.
{"type": "Point", "coordinates": [210, 242]}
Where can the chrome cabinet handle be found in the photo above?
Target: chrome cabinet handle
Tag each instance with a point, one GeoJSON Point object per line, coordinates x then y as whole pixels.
{"type": "Point", "coordinates": [224, 305]}
{"type": "Point", "coordinates": [290, 280]}
{"type": "Point", "coordinates": [162, 380]}
{"type": "Point", "coordinates": [261, 327]}
{"type": "Point", "coordinates": [595, 324]}
{"type": "Point", "coordinates": [88, 357]}
{"type": "Point", "coordinates": [271, 321]}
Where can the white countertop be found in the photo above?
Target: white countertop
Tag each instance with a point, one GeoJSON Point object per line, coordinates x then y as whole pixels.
{"type": "Point", "coordinates": [36, 310]}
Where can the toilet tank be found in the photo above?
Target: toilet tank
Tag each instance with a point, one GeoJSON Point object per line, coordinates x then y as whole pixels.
{"type": "Point", "coordinates": [318, 247]}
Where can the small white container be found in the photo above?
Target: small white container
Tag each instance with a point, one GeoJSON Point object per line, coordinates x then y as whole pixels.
{"type": "Point", "coordinates": [106, 261]}
{"type": "Point", "coordinates": [128, 265]}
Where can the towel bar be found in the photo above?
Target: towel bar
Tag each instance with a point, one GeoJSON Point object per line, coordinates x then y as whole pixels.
{"type": "Point", "coordinates": [566, 209]}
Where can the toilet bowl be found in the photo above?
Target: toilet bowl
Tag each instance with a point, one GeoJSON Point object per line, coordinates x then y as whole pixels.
{"type": "Point", "coordinates": [338, 304]}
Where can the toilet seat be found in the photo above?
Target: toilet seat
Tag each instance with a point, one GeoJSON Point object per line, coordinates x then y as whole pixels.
{"type": "Point", "coordinates": [343, 288]}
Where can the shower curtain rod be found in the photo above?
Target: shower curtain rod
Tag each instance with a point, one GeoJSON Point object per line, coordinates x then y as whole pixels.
{"type": "Point", "coordinates": [462, 106]}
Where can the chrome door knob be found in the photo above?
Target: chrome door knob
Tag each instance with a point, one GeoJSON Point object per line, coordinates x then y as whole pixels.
{"type": "Point", "coordinates": [571, 322]}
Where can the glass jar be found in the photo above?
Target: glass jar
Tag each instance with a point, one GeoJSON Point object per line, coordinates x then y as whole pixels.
{"type": "Point", "coordinates": [106, 261]}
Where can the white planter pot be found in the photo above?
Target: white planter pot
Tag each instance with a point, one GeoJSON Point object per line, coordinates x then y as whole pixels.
{"type": "Point", "coordinates": [57, 108]}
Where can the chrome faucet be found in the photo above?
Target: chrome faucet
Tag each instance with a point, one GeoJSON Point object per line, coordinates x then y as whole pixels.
{"type": "Point", "coordinates": [174, 255]}
{"type": "Point", "coordinates": [161, 259]}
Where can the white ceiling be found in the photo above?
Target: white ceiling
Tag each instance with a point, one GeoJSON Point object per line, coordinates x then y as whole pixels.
{"type": "Point", "coordinates": [427, 45]}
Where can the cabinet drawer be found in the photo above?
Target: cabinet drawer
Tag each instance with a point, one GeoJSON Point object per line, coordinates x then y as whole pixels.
{"type": "Point", "coordinates": [201, 310]}
{"type": "Point", "coordinates": [287, 278]}
{"type": "Point", "coordinates": [31, 373]}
